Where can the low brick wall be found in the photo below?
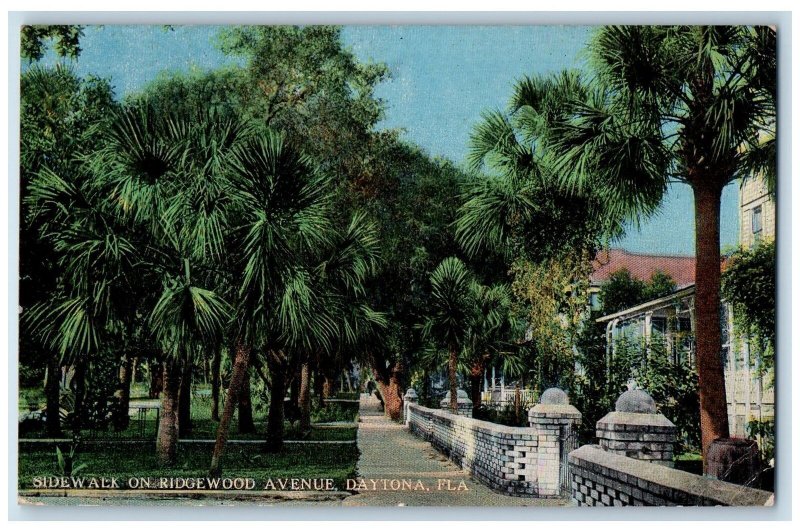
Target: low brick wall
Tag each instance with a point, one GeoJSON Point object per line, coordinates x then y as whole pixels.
{"type": "Point", "coordinates": [649, 437]}
{"type": "Point", "coordinates": [503, 458]}
{"type": "Point", "coordinates": [602, 478]}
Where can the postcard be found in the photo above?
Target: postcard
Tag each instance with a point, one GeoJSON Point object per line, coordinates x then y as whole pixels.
{"type": "Point", "coordinates": [397, 265]}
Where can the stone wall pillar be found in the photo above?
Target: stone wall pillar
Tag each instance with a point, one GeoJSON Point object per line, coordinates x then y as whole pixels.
{"type": "Point", "coordinates": [464, 404]}
{"type": "Point", "coordinates": [554, 420]}
{"type": "Point", "coordinates": [636, 430]}
{"type": "Point", "coordinates": [409, 398]}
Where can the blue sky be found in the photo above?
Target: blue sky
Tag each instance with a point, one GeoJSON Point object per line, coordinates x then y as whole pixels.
{"type": "Point", "coordinates": [442, 78]}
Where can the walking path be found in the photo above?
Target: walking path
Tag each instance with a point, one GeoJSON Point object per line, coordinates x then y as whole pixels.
{"type": "Point", "coordinates": [391, 454]}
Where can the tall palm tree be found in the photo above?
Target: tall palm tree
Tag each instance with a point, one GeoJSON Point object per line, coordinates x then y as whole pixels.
{"type": "Point", "coordinates": [95, 257]}
{"type": "Point", "coordinates": [688, 104]}
{"type": "Point", "coordinates": [61, 117]}
{"type": "Point", "coordinates": [162, 174]}
{"type": "Point", "coordinates": [342, 273]}
{"type": "Point", "coordinates": [452, 301]}
{"type": "Point", "coordinates": [282, 205]}
{"type": "Point", "coordinates": [685, 104]}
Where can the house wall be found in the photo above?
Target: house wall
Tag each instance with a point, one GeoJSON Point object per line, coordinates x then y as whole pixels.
{"type": "Point", "coordinates": [753, 194]}
{"type": "Point", "coordinates": [750, 394]}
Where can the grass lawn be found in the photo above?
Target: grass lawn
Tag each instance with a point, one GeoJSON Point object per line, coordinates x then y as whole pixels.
{"type": "Point", "coordinates": [690, 462]}
{"type": "Point", "coordinates": [124, 461]}
{"type": "Point", "coordinates": [204, 428]}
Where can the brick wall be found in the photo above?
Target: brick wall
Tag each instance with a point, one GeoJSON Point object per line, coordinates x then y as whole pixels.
{"type": "Point", "coordinates": [503, 458]}
{"type": "Point", "coordinates": [601, 478]}
{"type": "Point", "coordinates": [649, 437]}
{"type": "Point", "coordinates": [555, 426]}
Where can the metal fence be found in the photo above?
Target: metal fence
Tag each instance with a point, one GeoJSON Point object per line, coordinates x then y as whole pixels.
{"type": "Point", "coordinates": [507, 396]}
{"type": "Point", "coordinates": [567, 443]}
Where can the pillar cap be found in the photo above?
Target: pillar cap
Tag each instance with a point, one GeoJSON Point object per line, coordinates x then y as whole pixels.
{"type": "Point", "coordinates": [554, 396]}
{"type": "Point", "coordinates": [636, 401]}
{"type": "Point", "coordinates": [461, 397]}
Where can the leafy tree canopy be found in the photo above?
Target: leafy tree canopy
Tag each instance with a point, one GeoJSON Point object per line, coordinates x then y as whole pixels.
{"type": "Point", "coordinates": [66, 41]}
{"type": "Point", "coordinates": [623, 291]}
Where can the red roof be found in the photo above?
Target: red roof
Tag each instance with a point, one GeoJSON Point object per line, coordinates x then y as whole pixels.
{"type": "Point", "coordinates": [641, 266]}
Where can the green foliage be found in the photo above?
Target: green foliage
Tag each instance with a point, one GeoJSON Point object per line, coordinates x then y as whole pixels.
{"type": "Point", "coordinates": [590, 393]}
{"type": "Point", "coordinates": [333, 412]}
{"type": "Point", "coordinates": [304, 82]}
{"type": "Point", "coordinates": [552, 300]}
{"type": "Point", "coordinates": [661, 284]}
{"type": "Point", "coordinates": [623, 291]}
{"type": "Point", "coordinates": [510, 414]}
{"type": "Point", "coordinates": [65, 38]}
{"type": "Point", "coordinates": [749, 284]}
{"type": "Point", "coordinates": [102, 380]}
{"type": "Point", "coordinates": [673, 384]}
{"type": "Point", "coordinates": [68, 465]}
{"type": "Point", "coordinates": [764, 432]}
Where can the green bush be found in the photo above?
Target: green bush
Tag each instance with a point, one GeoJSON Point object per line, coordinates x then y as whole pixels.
{"type": "Point", "coordinates": [333, 412]}
{"type": "Point", "coordinates": [764, 432]}
{"type": "Point", "coordinates": [508, 415]}
{"type": "Point", "coordinates": [673, 384]}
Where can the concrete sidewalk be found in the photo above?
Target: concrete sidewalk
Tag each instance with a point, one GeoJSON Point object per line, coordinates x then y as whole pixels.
{"type": "Point", "coordinates": [399, 469]}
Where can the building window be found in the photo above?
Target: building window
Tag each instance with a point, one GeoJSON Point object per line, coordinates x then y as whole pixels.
{"type": "Point", "coordinates": [756, 222]}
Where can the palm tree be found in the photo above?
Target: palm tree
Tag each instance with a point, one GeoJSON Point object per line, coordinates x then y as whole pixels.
{"type": "Point", "coordinates": [185, 318]}
{"type": "Point", "coordinates": [342, 273]}
{"type": "Point", "coordinates": [94, 258]}
{"type": "Point", "coordinates": [162, 174]}
{"type": "Point", "coordinates": [61, 117]}
{"type": "Point", "coordinates": [493, 335]}
{"type": "Point", "coordinates": [452, 302]}
{"type": "Point", "coordinates": [694, 105]}
{"type": "Point", "coordinates": [282, 204]}
{"type": "Point", "coordinates": [688, 104]}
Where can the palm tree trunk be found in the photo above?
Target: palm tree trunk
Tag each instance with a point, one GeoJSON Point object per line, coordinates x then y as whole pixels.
{"type": "Point", "coordinates": [52, 393]}
{"type": "Point", "coordinates": [294, 394]}
{"type": "Point", "coordinates": [327, 386]}
{"type": "Point", "coordinates": [134, 370]}
{"type": "Point", "coordinates": [452, 373]}
{"type": "Point", "coordinates": [713, 403]}
{"type": "Point", "coordinates": [305, 398]}
{"type": "Point", "coordinates": [156, 379]}
{"type": "Point", "coordinates": [167, 441]}
{"type": "Point", "coordinates": [79, 378]}
{"type": "Point", "coordinates": [246, 424]}
{"type": "Point", "coordinates": [275, 417]}
{"type": "Point", "coordinates": [318, 386]}
{"type": "Point", "coordinates": [123, 394]}
{"type": "Point", "coordinates": [185, 401]}
{"type": "Point", "coordinates": [240, 365]}
{"type": "Point", "coordinates": [475, 378]}
{"type": "Point", "coordinates": [215, 384]}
